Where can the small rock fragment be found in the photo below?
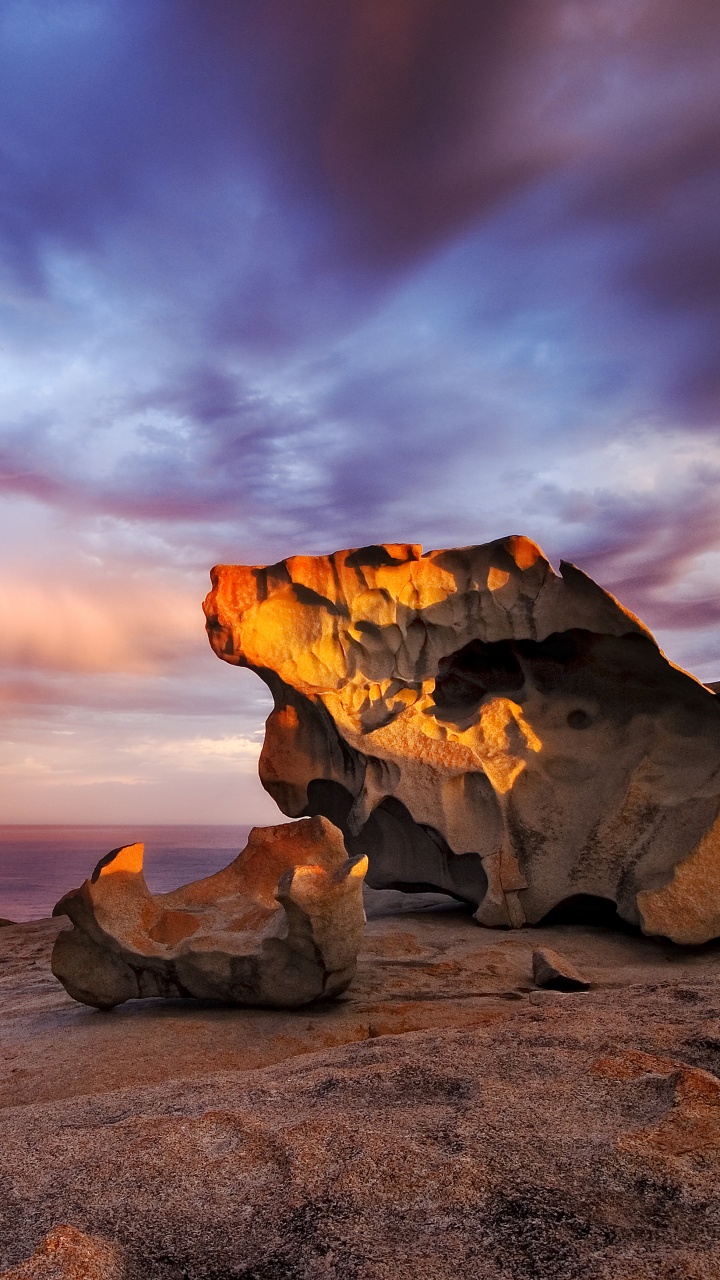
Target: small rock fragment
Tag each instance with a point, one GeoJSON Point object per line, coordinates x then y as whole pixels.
{"type": "Point", "coordinates": [552, 970]}
{"type": "Point", "coordinates": [67, 1253]}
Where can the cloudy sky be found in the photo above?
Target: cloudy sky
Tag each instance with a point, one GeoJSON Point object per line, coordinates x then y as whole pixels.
{"type": "Point", "coordinates": [284, 276]}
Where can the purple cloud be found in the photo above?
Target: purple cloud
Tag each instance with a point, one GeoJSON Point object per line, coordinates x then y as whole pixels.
{"type": "Point", "coordinates": [297, 274]}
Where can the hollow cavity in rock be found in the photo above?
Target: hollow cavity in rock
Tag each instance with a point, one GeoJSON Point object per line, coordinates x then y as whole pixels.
{"type": "Point", "coordinates": [478, 724]}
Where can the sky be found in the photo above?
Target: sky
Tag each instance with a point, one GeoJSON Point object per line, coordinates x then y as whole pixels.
{"type": "Point", "coordinates": [287, 276]}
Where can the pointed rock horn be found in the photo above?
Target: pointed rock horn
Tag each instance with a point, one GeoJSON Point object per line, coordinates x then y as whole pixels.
{"type": "Point", "coordinates": [355, 867]}
{"type": "Point", "coordinates": [128, 858]}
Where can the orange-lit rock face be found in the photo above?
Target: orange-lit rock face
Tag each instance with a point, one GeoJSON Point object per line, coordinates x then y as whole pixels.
{"type": "Point", "coordinates": [477, 723]}
{"type": "Point", "coordinates": [280, 926]}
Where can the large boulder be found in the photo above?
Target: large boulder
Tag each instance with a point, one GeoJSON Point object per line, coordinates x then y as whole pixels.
{"type": "Point", "coordinates": [280, 926]}
{"type": "Point", "coordinates": [477, 724]}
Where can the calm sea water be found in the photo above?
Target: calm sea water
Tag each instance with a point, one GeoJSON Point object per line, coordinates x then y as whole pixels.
{"type": "Point", "coordinates": [39, 864]}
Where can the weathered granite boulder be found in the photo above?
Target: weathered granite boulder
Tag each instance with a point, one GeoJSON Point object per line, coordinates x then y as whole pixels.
{"type": "Point", "coordinates": [478, 724]}
{"type": "Point", "coordinates": [280, 926]}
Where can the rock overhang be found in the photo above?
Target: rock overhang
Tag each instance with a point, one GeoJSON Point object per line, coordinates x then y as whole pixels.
{"type": "Point", "coordinates": [477, 722]}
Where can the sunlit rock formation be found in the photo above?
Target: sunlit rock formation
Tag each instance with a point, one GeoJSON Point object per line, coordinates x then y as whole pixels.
{"type": "Point", "coordinates": [280, 926]}
{"type": "Point", "coordinates": [478, 724]}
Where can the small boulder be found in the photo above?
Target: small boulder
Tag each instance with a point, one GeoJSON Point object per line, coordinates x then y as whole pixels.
{"type": "Point", "coordinates": [553, 971]}
{"type": "Point", "coordinates": [280, 926]}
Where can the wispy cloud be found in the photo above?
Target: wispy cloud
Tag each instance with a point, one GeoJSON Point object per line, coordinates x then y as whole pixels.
{"type": "Point", "coordinates": [292, 276]}
{"type": "Point", "coordinates": [198, 754]}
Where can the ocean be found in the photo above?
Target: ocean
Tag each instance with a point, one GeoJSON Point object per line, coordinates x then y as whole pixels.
{"type": "Point", "coordinates": [38, 864]}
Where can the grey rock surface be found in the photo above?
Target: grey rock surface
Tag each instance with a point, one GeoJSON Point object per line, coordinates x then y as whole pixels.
{"type": "Point", "coordinates": [551, 969]}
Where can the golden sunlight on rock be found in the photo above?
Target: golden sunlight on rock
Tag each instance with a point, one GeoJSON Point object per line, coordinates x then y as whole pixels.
{"type": "Point", "coordinates": [280, 926]}
{"type": "Point", "coordinates": [476, 723]}
{"type": "Point", "coordinates": [497, 578]}
{"type": "Point", "coordinates": [129, 859]}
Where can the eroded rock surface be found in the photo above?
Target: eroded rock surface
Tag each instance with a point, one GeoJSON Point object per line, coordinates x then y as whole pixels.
{"type": "Point", "coordinates": [478, 724]}
{"type": "Point", "coordinates": [280, 926]}
{"type": "Point", "coordinates": [441, 1119]}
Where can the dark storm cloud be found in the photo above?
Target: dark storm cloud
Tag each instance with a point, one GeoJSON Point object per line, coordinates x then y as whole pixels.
{"type": "Point", "coordinates": [375, 130]}
{"type": "Point", "coordinates": [367, 109]}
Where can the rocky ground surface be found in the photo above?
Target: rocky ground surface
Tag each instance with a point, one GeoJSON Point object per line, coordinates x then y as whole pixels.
{"type": "Point", "coordinates": [445, 1117]}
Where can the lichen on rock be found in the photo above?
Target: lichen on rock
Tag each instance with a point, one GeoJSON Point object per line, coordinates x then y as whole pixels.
{"type": "Point", "coordinates": [478, 724]}
{"type": "Point", "coordinates": [66, 1253]}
